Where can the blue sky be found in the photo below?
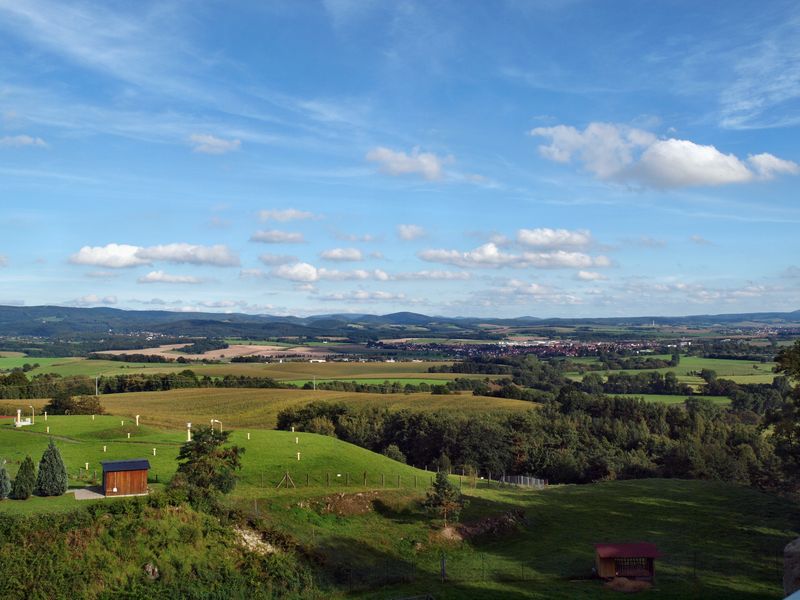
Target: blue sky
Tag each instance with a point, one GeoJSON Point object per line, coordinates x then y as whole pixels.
{"type": "Point", "coordinates": [547, 158]}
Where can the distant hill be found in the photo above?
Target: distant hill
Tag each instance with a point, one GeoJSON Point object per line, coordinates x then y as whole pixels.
{"type": "Point", "coordinates": [61, 321]}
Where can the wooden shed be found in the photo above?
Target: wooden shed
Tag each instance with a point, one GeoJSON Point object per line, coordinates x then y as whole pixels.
{"type": "Point", "coordinates": [633, 560]}
{"type": "Point", "coordinates": [125, 477]}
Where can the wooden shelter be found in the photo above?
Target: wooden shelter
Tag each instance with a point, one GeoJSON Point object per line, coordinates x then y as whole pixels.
{"type": "Point", "coordinates": [125, 477]}
{"type": "Point", "coordinates": [632, 560]}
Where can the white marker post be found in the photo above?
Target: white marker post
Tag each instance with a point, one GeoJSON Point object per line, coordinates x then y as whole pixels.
{"type": "Point", "coordinates": [104, 448]}
{"type": "Point", "coordinates": [296, 440]}
{"type": "Point", "coordinates": [137, 420]}
{"type": "Point", "coordinates": [48, 428]}
{"type": "Point", "coordinates": [292, 428]}
{"type": "Point", "coordinates": [154, 451]}
{"type": "Point", "coordinates": [45, 416]}
{"type": "Point", "coordinates": [122, 423]}
{"type": "Point", "coordinates": [129, 435]}
{"type": "Point", "coordinates": [298, 456]}
{"type": "Point", "coordinates": [87, 466]}
{"type": "Point", "coordinates": [188, 432]}
{"type": "Point", "coordinates": [248, 435]}
{"type": "Point", "coordinates": [92, 417]}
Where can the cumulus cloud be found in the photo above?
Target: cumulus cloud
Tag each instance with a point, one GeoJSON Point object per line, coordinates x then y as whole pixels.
{"type": "Point", "coordinates": [363, 296]}
{"type": "Point", "coordinates": [277, 259]}
{"type": "Point", "coordinates": [617, 152]}
{"type": "Point", "coordinates": [489, 255]}
{"type": "Point", "coordinates": [304, 272]}
{"type": "Point", "coordinates": [590, 276]}
{"type": "Point", "coordinates": [544, 237]}
{"type": "Point", "coordinates": [217, 255]}
{"type": "Point", "coordinates": [162, 277]}
{"type": "Point", "coordinates": [209, 144]}
{"type": "Point", "coordinates": [288, 214]}
{"type": "Point", "coordinates": [115, 256]}
{"type": "Point", "coordinates": [274, 236]}
{"type": "Point", "coordinates": [120, 256]}
{"type": "Point", "coordinates": [410, 232]}
{"type": "Point", "coordinates": [392, 162]}
{"type": "Point", "coordinates": [94, 300]}
{"type": "Point", "coordinates": [342, 254]}
{"type": "Point", "coordinates": [17, 141]}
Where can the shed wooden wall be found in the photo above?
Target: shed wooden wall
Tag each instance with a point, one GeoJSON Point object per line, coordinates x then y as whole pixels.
{"type": "Point", "coordinates": [605, 567]}
{"type": "Point", "coordinates": [126, 482]}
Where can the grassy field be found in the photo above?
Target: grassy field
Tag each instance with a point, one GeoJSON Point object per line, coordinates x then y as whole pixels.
{"type": "Point", "coordinates": [376, 380]}
{"type": "Point", "coordinates": [665, 399]}
{"type": "Point", "coordinates": [740, 371]}
{"type": "Point", "coordinates": [718, 540]}
{"type": "Point", "coordinates": [247, 407]}
{"type": "Point", "coordinates": [289, 370]}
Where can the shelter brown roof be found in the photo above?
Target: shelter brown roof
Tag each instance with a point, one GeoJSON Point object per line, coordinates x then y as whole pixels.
{"type": "Point", "coordinates": [628, 550]}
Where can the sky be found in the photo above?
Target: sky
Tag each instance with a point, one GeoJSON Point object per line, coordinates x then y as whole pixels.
{"type": "Point", "coordinates": [551, 158]}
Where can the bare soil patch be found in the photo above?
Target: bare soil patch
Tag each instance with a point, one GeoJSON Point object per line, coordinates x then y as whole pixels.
{"type": "Point", "coordinates": [628, 586]}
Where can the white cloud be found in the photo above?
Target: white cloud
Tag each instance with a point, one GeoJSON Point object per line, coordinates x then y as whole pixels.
{"type": "Point", "coordinates": [302, 272]}
{"type": "Point", "coordinates": [274, 236]}
{"type": "Point", "coordinates": [767, 166]}
{"type": "Point", "coordinates": [699, 240]}
{"type": "Point", "coordinates": [490, 256]}
{"type": "Point", "coordinates": [544, 237]}
{"type": "Point", "coordinates": [218, 255]}
{"type": "Point", "coordinates": [342, 254]}
{"type": "Point", "coordinates": [209, 144]}
{"type": "Point", "coordinates": [432, 276]}
{"type": "Point", "coordinates": [351, 237]}
{"type": "Point", "coordinates": [392, 162]}
{"type": "Point", "coordinates": [102, 274]}
{"type": "Point", "coordinates": [94, 300]}
{"type": "Point", "coordinates": [288, 214]}
{"type": "Point", "coordinates": [363, 296]}
{"type": "Point", "coordinates": [3, 261]}
{"type": "Point", "coordinates": [115, 256]}
{"type": "Point", "coordinates": [16, 141]}
{"type": "Point", "coordinates": [162, 277]}
{"type": "Point", "coordinates": [621, 153]}
{"type": "Point", "coordinates": [277, 259]}
{"type": "Point", "coordinates": [410, 232]}
{"type": "Point", "coordinates": [590, 276]}
{"type": "Point", "coordinates": [118, 256]}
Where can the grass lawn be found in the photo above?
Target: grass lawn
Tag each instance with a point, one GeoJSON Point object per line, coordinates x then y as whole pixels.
{"type": "Point", "coordinates": [666, 399]}
{"type": "Point", "coordinates": [718, 540]}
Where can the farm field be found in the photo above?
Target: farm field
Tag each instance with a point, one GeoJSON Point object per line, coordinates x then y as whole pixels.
{"type": "Point", "coordinates": [667, 399]}
{"type": "Point", "coordinates": [718, 540]}
{"type": "Point", "coordinates": [286, 370]}
{"type": "Point", "coordinates": [247, 407]}
{"type": "Point", "coordinates": [740, 371]}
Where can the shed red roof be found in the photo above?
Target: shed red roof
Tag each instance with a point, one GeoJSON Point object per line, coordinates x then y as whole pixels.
{"type": "Point", "coordinates": [632, 550]}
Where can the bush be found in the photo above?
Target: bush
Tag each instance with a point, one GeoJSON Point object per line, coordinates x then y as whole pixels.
{"type": "Point", "coordinates": [25, 480]}
{"type": "Point", "coordinates": [5, 483]}
{"type": "Point", "coordinates": [393, 452]}
{"type": "Point", "coordinates": [52, 478]}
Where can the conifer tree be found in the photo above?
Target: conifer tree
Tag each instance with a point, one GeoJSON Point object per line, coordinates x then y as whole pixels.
{"type": "Point", "coordinates": [25, 480]}
{"type": "Point", "coordinates": [444, 499]}
{"type": "Point", "coordinates": [5, 483]}
{"type": "Point", "coordinates": [52, 478]}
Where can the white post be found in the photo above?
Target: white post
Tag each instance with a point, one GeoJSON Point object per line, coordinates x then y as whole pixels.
{"type": "Point", "coordinates": [248, 435]}
{"type": "Point", "coordinates": [87, 466]}
{"type": "Point", "coordinates": [45, 415]}
{"type": "Point", "coordinates": [298, 456]}
{"type": "Point", "coordinates": [292, 428]}
{"type": "Point", "coordinates": [154, 451]}
{"type": "Point", "coordinates": [129, 435]}
{"type": "Point", "coordinates": [137, 420]}
{"type": "Point", "coordinates": [48, 429]}
{"type": "Point", "coordinates": [104, 448]}
{"type": "Point", "coordinates": [19, 416]}
{"type": "Point", "coordinates": [296, 440]}
{"type": "Point", "coordinates": [188, 432]}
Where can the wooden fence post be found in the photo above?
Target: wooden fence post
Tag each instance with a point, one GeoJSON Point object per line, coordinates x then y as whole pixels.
{"type": "Point", "coordinates": [365, 479]}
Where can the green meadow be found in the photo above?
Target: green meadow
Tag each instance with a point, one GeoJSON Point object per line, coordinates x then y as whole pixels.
{"type": "Point", "coordinates": [718, 540]}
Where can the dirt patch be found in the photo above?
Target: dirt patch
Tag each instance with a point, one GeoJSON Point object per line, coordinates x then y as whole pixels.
{"type": "Point", "coordinates": [449, 534]}
{"type": "Point", "coordinates": [253, 541]}
{"type": "Point", "coordinates": [346, 505]}
{"type": "Point", "coordinates": [628, 586]}
{"type": "Point", "coordinates": [498, 525]}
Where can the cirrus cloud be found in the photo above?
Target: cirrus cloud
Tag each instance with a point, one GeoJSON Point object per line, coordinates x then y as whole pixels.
{"type": "Point", "coordinates": [209, 144]}
{"type": "Point", "coordinates": [162, 277]}
{"type": "Point", "coordinates": [287, 214]}
{"type": "Point", "coordinates": [342, 254]}
{"type": "Point", "coordinates": [274, 236]}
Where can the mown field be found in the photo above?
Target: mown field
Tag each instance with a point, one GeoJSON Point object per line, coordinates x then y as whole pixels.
{"type": "Point", "coordinates": [740, 371]}
{"type": "Point", "coordinates": [718, 540]}
{"type": "Point", "coordinates": [247, 407]}
{"type": "Point", "coordinates": [288, 370]}
{"type": "Point", "coordinates": [676, 399]}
